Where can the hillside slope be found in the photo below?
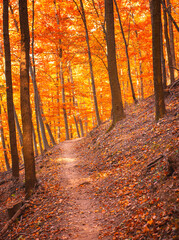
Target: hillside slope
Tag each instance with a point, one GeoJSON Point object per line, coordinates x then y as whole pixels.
{"type": "Point", "coordinates": [112, 186]}
{"type": "Point", "coordinates": [136, 167]}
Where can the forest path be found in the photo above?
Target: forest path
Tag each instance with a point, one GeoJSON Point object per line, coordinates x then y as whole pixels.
{"type": "Point", "coordinates": [81, 219]}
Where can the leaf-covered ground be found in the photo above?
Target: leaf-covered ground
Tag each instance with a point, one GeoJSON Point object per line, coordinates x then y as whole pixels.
{"type": "Point", "coordinates": [115, 185]}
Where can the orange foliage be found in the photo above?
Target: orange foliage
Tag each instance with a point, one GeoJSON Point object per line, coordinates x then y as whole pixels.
{"type": "Point", "coordinates": [69, 35]}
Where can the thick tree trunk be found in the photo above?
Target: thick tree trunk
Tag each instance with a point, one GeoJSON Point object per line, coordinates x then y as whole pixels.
{"type": "Point", "coordinates": [90, 64]}
{"type": "Point", "coordinates": [117, 106]}
{"type": "Point", "coordinates": [30, 175]}
{"type": "Point", "coordinates": [156, 47]}
{"type": "Point", "coordinates": [9, 92]}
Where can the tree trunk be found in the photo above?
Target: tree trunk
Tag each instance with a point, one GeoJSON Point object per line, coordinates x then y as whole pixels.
{"type": "Point", "coordinates": [156, 47]}
{"type": "Point", "coordinates": [164, 77]}
{"type": "Point", "coordinates": [170, 63]}
{"type": "Point", "coordinates": [75, 104]}
{"type": "Point", "coordinates": [59, 54]}
{"type": "Point", "coordinates": [64, 103]}
{"type": "Point", "coordinates": [127, 55]}
{"type": "Point", "coordinates": [3, 143]}
{"type": "Point", "coordinates": [117, 106]}
{"type": "Point", "coordinates": [140, 64]}
{"type": "Point", "coordinates": [34, 141]}
{"type": "Point", "coordinates": [76, 124]}
{"type": "Point", "coordinates": [81, 127]}
{"type": "Point", "coordinates": [39, 120]}
{"type": "Point", "coordinates": [9, 92]}
{"type": "Point", "coordinates": [172, 46]}
{"type": "Point", "coordinates": [19, 133]}
{"type": "Point", "coordinates": [90, 64]}
{"type": "Point", "coordinates": [30, 175]}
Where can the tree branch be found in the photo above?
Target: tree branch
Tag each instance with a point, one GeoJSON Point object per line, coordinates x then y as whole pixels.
{"type": "Point", "coordinates": [172, 19]}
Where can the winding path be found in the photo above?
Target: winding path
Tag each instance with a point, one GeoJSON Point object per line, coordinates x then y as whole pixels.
{"type": "Point", "coordinates": [81, 218]}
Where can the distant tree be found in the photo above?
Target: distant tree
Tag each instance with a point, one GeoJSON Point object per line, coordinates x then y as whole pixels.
{"type": "Point", "coordinates": [156, 46]}
{"type": "Point", "coordinates": [30, 176]}
{"type": "Point", "coordinates": [127, 54]}
{"type": "Point", "coordinates": [168, 46]}
{"type": "Point", "coordinates": [9, 92]}
{"type": "Point", "coordinates": [3, 141]}
{"type": "Point", "coordinates": [83, 16]}
{"type": "Point", "coordinates": [117, 106]}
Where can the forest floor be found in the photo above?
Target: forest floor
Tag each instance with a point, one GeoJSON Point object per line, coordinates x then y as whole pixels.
{"type": "Point", "coordinates": [118, 185]}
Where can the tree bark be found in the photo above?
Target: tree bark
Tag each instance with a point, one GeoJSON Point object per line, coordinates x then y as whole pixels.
{"type": "Point", "coordinates": [156, 47]}
{"type": "Point", "coordinates": [30, 174]}
{"type": "Point", "coordinates": [9, 92]}
{"type": "Point", "coordinates": [117, 106]}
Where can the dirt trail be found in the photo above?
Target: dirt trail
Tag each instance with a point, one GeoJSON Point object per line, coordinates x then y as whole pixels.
{"type": "Point", "coordinates": [81, 219]}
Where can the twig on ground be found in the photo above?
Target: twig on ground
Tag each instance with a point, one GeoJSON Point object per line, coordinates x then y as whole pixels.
{"type": "Point", "coordinates": [17, 214]}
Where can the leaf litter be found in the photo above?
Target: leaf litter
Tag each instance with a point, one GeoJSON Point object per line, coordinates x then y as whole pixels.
{"type": "Point", "coordinates": [108, 185]}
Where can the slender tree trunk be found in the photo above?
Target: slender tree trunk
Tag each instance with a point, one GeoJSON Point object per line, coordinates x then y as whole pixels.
{"type": "Point", "coordinates": [81, 127]}
{"type": "Point", "coordinates": [90, 64]}
{"type": "Point", "coordinates": [18, 128]}
{"type": "Point", "coordinates": [19, 133]}
{"type": "Point", "coordinates": [172, 46]}
{"type": "Point", "coordinates": [117, 106]}
{"type": "Point", "coordinates": [38, 112]}
{"type": "Point", "coordinates": [156, 46]}
{"type": "Point", "coordinates": [102, 24]}
{"type": "Point", "coordinates": [140, 64]}
{"type": "Point", "coordinates": [34, 141]}
{"type": "Point", "coordinates": [127, 54]}
{"type": "Point", "coordinates": [164, 77]}
{"type": "Point", "coordinates": [75, 104]}
{"type": "Point", "coordinates": [14, 19]}
{"type": "Point", "coordinates": [58, 113]}
{"type": "Point", "coordinates": [50, 133]}
{"type": "Point", "coordinates": [30, 175]}
{"type": "Point", "coordinates": [170, 62]}
{"type": "Point", "coordinates": [9, 92]}
{"type": "Point", "coordinates": [64, 103]}
{"type": "Point", "coordinates": [3, 143]}
{"type": "Point", "coordinates": [76, 124]}
{"type": "Point", "coordinates": [39, 120]}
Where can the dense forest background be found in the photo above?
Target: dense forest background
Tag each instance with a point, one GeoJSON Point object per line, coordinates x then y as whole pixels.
{"type": "Point", "coordinates": [67, 85]}
{"type": "Point", "coordinates": [102, 75]}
